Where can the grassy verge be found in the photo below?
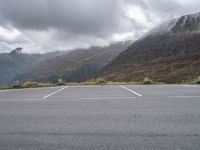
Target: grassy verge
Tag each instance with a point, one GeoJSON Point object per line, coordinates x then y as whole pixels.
{"type": "Point", "coordinates": [191, 81]}
{"type": "Point", "coordinates": [99, 81]}
{"type": "Point", "coordinates": [87, 83]}
{"type": "Point", "coordinates": [28, 85]}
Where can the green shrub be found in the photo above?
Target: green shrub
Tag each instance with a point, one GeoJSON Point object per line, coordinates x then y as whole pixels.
{"type": "Point", "coordinates": [31, 84]}
{"type": "Point", "coordinates": [17, 86]}
{"type": "Point", "coordinates": [89, 82]}
{"type": "Point", "coordinates": [196, 82]}
{"type": "Point", "coordinates": [100, 81]}
{"type": "Point", "coordinates": [147, 82]}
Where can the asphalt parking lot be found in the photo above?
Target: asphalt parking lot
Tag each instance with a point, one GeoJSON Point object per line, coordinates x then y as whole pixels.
{"type": "Point", "coordinates": [113, 117]}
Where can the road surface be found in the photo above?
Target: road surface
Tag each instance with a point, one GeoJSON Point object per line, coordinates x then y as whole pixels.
{"type": "Point", "coordinates": [157, 117]}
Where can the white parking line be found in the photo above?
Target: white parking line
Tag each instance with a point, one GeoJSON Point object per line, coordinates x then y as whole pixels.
{"type": "Point", "coordinates": [130, 90]}
{"type": "Point", "coordinates": [14, 99]}
{"type": "Point", "coordinates": [45, 97]}
{"type": "Point", "coordinates": [3, 90]}
{"type": "Point", "coordinates": [194, 86]}
{"type": "Point", "coordinates": [102, 98]}
{"type": "Point", "coordinates": [183, 96]}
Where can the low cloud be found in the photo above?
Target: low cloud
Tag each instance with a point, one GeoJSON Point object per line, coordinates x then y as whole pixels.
{"type": "Point", "coordinates": [47, 25]}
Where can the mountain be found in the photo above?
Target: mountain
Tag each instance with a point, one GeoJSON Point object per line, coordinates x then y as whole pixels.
{"type": "Point", "coordinates": [17, 51]}
{"type": "Point", "coordinates": [77, 66]}
{"type": "Point", "coordinates": [16, 62]}
{"type": "Point", "coordinates": [168, 53]}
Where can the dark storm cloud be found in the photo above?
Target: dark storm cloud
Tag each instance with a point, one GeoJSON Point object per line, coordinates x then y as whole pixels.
{"type": "Point", "coordinates": [54, 24]}
{"type": "Point", "coordinates": [77, 16]}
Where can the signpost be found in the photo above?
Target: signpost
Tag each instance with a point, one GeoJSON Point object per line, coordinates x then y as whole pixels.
{"type": "Point", "coordinates": [60, 82]}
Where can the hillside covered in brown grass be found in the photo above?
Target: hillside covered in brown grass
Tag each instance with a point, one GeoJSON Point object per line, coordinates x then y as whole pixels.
{"type": "Point", "coordinates": [169, 53]}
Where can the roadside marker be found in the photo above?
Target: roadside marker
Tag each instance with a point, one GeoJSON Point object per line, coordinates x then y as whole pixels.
{"type": "Point", "coordinates": [130, 90]}
{"type": "Point", "coordinates": [45, 97]}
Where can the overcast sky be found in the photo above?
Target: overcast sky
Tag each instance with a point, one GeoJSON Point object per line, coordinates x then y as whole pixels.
{"type": "Point", "coordinates": [48, 25]}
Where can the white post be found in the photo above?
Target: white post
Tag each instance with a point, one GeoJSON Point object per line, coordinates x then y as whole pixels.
{"type": "Point", "coordinates": [199, 78]}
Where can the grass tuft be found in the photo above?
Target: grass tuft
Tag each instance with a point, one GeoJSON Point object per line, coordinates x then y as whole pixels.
{"type": "Point", "coordinates": [100, 81]}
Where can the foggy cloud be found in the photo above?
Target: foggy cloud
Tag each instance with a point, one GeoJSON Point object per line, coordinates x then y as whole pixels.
{"type": "Point", "coordinates": [47, 25]}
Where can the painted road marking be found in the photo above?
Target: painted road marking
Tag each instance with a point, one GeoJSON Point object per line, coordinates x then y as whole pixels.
{"type": "Point", "coordinates": [194, 86]}
{"type": "Point", "coordinates": [183, 96]}
{"type": "Point", "coordinates": [102, 98]}
{"type": "Point", "coordinates": [5, 100]}
{"type": "Point", "coordinates": [28, 89]}
{"type": "Point", "coordinates": [51, 94]}
{"type": "Point", "coordinates": [3, 91]}
{"type": "Point", "coordinates": [130, 90]}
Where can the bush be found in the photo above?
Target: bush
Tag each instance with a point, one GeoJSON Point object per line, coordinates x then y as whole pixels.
{"type": "Point", "coordinates": [17, 86]}
{"type": "Point", "coordinates": [31, 84]}
{"type": "Point", "coordinates": [100, 81]}
{"type": "Point", "coordinates": [196, 82]}
{"type": "Point", "coordinates": [90, 82]}
{"type": "Point", "coordinates": [147, 82]}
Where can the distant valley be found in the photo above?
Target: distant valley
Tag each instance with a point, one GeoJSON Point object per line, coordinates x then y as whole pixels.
{"type": "Point", "coordinates": [76, 66]}
{"type": "Point", "coordinates": [16, 63]}
{"type": "Point", "coordinates": [169, 53]}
